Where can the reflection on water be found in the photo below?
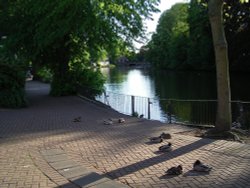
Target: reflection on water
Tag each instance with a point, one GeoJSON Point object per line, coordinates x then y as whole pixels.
{"type": "Point", "coordinates": [162, 86]}
{"type": "Point", "coordinates": [129, 82]}
{"type": "Point", "coordinates": [184, 85]}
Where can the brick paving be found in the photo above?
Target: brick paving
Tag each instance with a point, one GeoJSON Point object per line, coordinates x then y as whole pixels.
{"type": "Point", "coordinates": [119, 151]}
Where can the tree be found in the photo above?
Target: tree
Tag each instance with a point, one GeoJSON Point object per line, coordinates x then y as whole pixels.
{"type": "Point", "coordinates": [200, 52]}
{"type": "Point", "coordinates": [237, 29]}
{"type": "Point", "coordinates": [223, 119]}
{"type": "Point", "coordinates": [66, 35]}
{"type": "Point", "coordinates": [12, 84]}
{"type": "Point", "coordinates": [168, 46]}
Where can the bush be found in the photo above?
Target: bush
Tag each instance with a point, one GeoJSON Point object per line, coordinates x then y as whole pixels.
{"type": "Point", "coordinates": [62, 86]}
{"type": "Point", "coordinates": [12, 83]}
{"type": "Point", "coordinates": [135, 114]}
{"type": "Point", "coordinates": [78, 79]}
{"type": "Point", "coordinates": [90, 83]}
{"type": "Point", "coordinates": [45, 75]}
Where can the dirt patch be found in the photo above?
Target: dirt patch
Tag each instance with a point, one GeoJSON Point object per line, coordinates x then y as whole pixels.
{"type": "Point", "coordinates": [243, 135]}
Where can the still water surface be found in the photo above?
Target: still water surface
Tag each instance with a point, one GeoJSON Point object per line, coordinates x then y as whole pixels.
{"type": "Point", "coordinates": [171, 85]}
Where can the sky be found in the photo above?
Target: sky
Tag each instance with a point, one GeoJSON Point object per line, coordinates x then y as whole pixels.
{"type": "Point", "coordinates": [164, 5]}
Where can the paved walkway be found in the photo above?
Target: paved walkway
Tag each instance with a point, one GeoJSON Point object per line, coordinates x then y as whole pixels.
{"type": "Point", "coordinates": [41, 146]}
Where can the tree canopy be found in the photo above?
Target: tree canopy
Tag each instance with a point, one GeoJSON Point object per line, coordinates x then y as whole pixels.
{"type": "Point", "coordinates": [193, 48]}
{"type": "Point", "coordinates": [67, 35]}
{"type": "Point", "coordinates": [237, 28]}
{"type": "Point", "coordinates": [37, 24]}
{"type": "Point", "coordinates": [168, 47]}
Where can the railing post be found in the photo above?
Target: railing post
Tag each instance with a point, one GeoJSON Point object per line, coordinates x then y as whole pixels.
{"type": "Point", "coordinates": [133, 104]}
{"type": "Point", "coordinates": [106, 101]}
{"type": "Point", "coordinates": [170, 111]}
{"type": "Point", "coordinates": [149, 108]}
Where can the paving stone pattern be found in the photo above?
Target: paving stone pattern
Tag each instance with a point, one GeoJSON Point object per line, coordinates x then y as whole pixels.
{"type": "Point", "coordinates": [78, 175]}
{"type": "Point", "coordinates": [120, 152]}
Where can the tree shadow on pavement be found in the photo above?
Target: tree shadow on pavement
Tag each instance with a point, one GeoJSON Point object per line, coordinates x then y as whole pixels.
{"type": "Point", "coordinates": [129, 169]}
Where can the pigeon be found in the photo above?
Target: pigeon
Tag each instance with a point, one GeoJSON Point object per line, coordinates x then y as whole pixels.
{"type": "Point", "coordinates": [166, 148]}
{"type": "Point", "coordinates": [165, 135]}
{"type": "Point", "coordinates": [77, 119]}
{"type": "Point", "coordinates": [121, 120]}
{"type": "Point", "coordinates": [200, 167]}
{"type": "Point", "coordinates": [156, 139]}
{"type": "Point", "coordinates": [175, 170]}
{"type": "Point", "coordinates": [108, 122]}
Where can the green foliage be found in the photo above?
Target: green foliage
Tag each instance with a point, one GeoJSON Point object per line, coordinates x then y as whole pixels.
{"type": "Point", "coordinates": [117, 50]}
{"type": "Point", "coordinates": [56, 33]}
{"type": "Point", "coordinates": [168, 47]}
{"type": "Point", "coordinates": [86, 80]}
{"type": "Point", "coordinates": [183, 39]}
{"type": "Point", "coordinates": [200, 52]}
{"type": "Point", "coordinates": [237, 28]}
{"type": "Point", "coordinates": [45, 74]}
{"type": "Point", "coordinates": [12, 82]}
{"type": "Point", "coordinates": [79, 78]}
{"type": "Point", "coordinates": [91, 83]}
{"type": "Point", "coordinates": [48, 22]}
{"type": "Point", "coordinates": [62, 86]}
{"type": "Point", "coordinates": [135, 114]}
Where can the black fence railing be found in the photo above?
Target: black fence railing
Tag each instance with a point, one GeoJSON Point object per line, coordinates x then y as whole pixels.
{"type": "Point", "coordinates": [196, 112]}
{"type": "Point", "coordinates": [241, 114]}
{"type": "Point", "coordinates": [201, 112]}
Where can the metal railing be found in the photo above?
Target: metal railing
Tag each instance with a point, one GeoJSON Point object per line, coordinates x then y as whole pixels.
{"type": "Point", "coordinates": [196, 112]}
{"type": "Point", "coordinates": [241, 114]}
{"type": "Point", "coordinates": [202, 112]}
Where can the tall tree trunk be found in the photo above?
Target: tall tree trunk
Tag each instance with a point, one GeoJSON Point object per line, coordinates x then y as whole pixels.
{"type": "Point", "coordinates": [62, 82]}
{"type": "Point", "coordinates": [223, 119]}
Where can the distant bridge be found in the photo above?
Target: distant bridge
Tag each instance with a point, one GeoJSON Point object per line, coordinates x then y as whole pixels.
{"type": "Point", "coordinates": [134, 64]}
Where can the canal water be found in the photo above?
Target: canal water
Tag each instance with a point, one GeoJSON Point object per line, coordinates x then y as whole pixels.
{"type": "Point", "coordinates": [178, 86]}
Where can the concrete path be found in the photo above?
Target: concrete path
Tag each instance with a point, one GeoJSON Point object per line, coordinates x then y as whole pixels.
{"type": "Point", "coordinates": [42, 146]}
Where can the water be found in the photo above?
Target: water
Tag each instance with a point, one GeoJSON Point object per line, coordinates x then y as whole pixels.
{"type": "Point", "coordinates": [162, 86]}
{"type": "Point", "coordinates": [136, 82]}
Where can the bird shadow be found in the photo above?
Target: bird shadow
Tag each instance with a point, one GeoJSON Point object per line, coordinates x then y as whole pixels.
{"type": "Point", "coordinates": [189, 173]}
{"type": "Point", "coordinates": [158, 152]}
{"type": "Point", "coordinates": [151, 143]}
{"type": "Point", "coordinates": [194, 173]}
{"type": "Point", "coordinates": [168, 176]}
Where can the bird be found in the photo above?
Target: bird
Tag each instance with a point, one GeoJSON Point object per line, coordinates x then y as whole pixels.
{"type": "Point", "coordinates": [77, 119]}
{"type": "Point", "coordinates": [121, 120]}
{"type": "Point", "coordinates": [200, 167]}
{"type": "Point", "coordinates": [108, 122]}
{"type": "Point", "coordinates": [165, 148]}
{"type": "Point", "coordinates": [165, 135]}
{"type": "Point", "coordinates": [176, 170]}
{"type": "Point", "coordinates": [156, 139]}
